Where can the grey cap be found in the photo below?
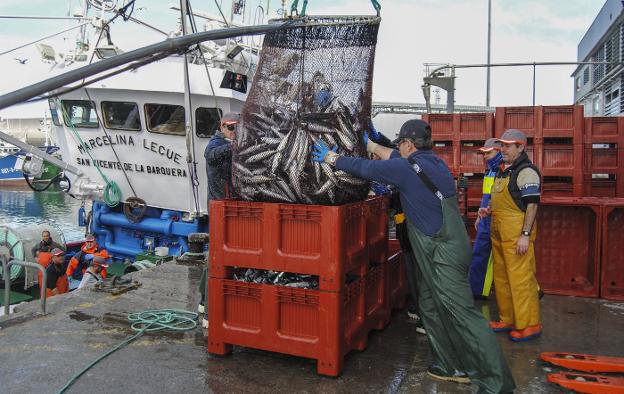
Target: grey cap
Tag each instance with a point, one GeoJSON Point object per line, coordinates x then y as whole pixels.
{"type": "Point", "coordinates": [413, 129]}
{"type": "Point", "coordinates": [230, 118]}
{"type": "Point", "coordinates": [490, 145]}
{"type": "Point", "coordinates": [57, 252]}
{"type": "Point", "coordinates": [513, 136]}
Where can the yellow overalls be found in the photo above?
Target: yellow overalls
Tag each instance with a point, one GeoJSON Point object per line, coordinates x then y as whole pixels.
{"type": "Point", "coordinates": [514, 274]}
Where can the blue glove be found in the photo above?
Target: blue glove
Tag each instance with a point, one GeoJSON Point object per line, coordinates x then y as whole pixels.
{"type": "Point", "coordinates": [374, 134]}
{"type": "Point", "coordinates": [379, 189]}
{"type": "Point", "coordinates": [88, 257]}
{"type": "Point", "coordinates": [320, 150]}
{"type": "Point", "coordinates": [323, 97]}
{"type": "Point", "coordinates": [365, 138]}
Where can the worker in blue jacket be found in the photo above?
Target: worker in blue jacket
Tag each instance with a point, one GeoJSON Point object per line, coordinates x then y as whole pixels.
{"type": "Point", "coordinates": [481, 268]}
{"type": "Point", "coordinates": [464, 348]}
{"type": "Point", "coordinates": [218, 155]}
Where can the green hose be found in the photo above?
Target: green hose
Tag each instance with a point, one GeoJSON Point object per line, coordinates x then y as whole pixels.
{"type": "Point", "coordinates": [146, 321]}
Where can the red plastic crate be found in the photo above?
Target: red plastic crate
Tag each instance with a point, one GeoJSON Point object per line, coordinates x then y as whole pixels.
{"type": "Point", "coordinates": [470, 161]}
{"type": "Point", "coordinates": [377, 229]}
{"type": "Point", "coordinates": [604, 129]}
{"type": "Point", "coordinates": [444, 150]}
{"type": "Point", "coordinates": [526, 119]}
{"type": "Point", "coordinates": [475, 190]}
{"type": "Point", "coordinates": [567, 248]}
{"type": "Point", "coordinates": [397, 277]}
{"type": "Point", "coordinates": [612, 284]}
{"type": "Point", "coordinates": [561, 159]}
{"type": "Point", "coordinates": [443, 126]}
{"type": "Point", "coordinates": [308, 323]}
{"type": "Point", "coordinates": [377, 302]}
{"type": "Point", "coordinates": [476, 126]}
{"type": "Point", "coordinates": [601, 158]}
{"type": "Point", "coordinates": [328, 241]}
{"type": "Point", "coordinates": [565, 121]}
{"type": "Point", "coordinates": [600, 185]}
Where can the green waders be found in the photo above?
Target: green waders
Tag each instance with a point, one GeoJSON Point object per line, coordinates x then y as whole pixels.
{"type": "Point", "coordinates": [459, 336]}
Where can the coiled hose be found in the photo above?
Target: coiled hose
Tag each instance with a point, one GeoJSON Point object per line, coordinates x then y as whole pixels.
{"type": "Point", "coordinates": [142, 322]}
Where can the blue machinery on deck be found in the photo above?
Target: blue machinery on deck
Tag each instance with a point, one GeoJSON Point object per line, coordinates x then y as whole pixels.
{"type": "Point", "coordinates": [159, 227]}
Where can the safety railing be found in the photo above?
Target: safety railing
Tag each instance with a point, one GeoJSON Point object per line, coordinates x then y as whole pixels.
{"type": "Point", "coordinates": [7, 282]}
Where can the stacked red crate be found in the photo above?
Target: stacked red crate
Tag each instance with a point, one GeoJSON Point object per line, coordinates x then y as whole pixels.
{"type": "Point", "coordinates": [612, 272]}
{"type": "Point", "coordinates": [555, 143]}
{"type": "Point", "coordinates": [567, 247]}
{"type": "Point", "coordinates": [603, 171]}
{"type": "Point", "coordinates": [346, 246]}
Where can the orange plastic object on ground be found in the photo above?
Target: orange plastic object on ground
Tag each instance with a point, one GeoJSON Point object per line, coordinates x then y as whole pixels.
{"type": "Point", "coordinates": [328, 241]}
{"type": "Point", "coordinates": [586, 383]}
{"type": "Point", "coordinates": [584, 362]}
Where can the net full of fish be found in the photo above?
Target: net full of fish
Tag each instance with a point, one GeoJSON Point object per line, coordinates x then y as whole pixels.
{"type": "Point", "coordinates": [314, 82]}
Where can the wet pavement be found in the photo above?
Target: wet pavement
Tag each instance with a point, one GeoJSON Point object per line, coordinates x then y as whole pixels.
{"type": "Point", "coordinates": [39, 354]}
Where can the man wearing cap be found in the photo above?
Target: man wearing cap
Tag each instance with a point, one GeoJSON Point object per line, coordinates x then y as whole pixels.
{"type": "Point", "coordinates": [463, 346]}
{"type": "Point", "coordinates": [481, 270]}
{"type": "Point", "coordinates": [513, 206]}
{"type": "Point", "coordinates": [56, 280]}
{"type": "Point", "coordinates": [218, 156]}
{"type": "Point", "coordinates": [80, 261]}
{"type": "Point", "coordinates": [93, 274]}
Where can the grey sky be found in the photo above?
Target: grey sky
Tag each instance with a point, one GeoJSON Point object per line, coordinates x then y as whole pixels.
{"type": "Point", "coordinates": [412, 32]}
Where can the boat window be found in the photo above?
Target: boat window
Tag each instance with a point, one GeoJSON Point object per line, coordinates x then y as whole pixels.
{"type": "Point", "coordinates": [80, 113]}
{"type": "Point", "coordinates": [207, 121]}
{"type": "Point", "coordinates": [121, 115]}
{"type": "Point", "coordinates": [165, 119]}
{"type": "Point", "coordinates": [54, 112]}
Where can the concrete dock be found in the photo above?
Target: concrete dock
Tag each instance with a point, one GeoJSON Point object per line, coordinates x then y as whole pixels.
{"type": "Point", "coordinates": [39, 354]}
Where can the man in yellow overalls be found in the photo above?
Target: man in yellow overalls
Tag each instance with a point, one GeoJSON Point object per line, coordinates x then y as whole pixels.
{"type": "Point", "coordinates": [513, 206]}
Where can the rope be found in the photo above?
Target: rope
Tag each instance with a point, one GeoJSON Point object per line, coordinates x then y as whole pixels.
{"type": "Point", "coordinates": [142, 322]}
{"type": "Point", "coordinates": [376, 6]}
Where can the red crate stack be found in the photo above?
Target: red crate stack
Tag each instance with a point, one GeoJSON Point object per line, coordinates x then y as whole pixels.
{"type": "Point", "coordinates": [603, 170]}
{"type": "Point", "coordinates": [612, 286]}
{"type": "Point", "coordinates": [346, 246]}
{"type": "Point", "coordinates": [457, 138]}
{"type": "Point", "coordinates": [567, 247]}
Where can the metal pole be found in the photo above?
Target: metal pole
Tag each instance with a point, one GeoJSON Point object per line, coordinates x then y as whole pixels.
{"type": "Point", "coordinates": [534, 84]}
{"type": "Point", "coordinates": [170, 45]}
{"type": "Point", "coordinates": [7, 286]}
{"type": "Point", "coordinates": [489, 46]}
{"type": "Point", "coordinates": [7, 282]}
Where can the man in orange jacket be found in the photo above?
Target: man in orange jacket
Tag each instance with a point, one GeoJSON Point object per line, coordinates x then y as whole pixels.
{"type": "Point", "coordinates": [81, 260]}
{"type": "Point", "coordinates": [56, 280]}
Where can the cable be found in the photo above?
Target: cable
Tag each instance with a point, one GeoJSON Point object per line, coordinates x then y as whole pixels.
{"type": "Point", "coordinates": [147, 321]}
{"type": "Point", "coordinates": [44, 38]}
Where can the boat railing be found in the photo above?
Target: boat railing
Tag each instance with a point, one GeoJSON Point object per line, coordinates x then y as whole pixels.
{"type": "Point", "coordinates": [7, 282]}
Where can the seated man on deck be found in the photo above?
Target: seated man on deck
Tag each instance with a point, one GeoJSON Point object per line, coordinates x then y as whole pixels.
{"type": "Point", "coordinates": [93, 274]}
{"type": "Point", "coordinates": [81, 260]}
{"type": "Point", "coordinates": [56, 280]}
{"type": "Point", "coordinates": [42, 250]}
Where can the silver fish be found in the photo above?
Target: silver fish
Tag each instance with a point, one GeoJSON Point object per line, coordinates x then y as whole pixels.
{"type": "Point", "coordinates": [259, 157]}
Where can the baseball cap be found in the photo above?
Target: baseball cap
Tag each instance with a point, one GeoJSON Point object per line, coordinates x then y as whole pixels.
{"type": "Point", "coordinates": [412, 129]}
{"type": "Point", "coordinates": [490, 145]}
{"type": "Point", "coordinates": [230, 118]}
{"type": "Point", "coordinates": [90, 238]}
{"type": "Point", "coordinates": [513, 136]}
{"type": "Point", "coordinates": [57, 252]}
{"type": "Point", "coordinates": [99, 260]}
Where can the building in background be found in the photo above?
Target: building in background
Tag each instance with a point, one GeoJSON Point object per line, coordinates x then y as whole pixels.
{"type": "Point", "coordinates": [599, 87]}
{"type": "Point", "coordinates": [28, 123]}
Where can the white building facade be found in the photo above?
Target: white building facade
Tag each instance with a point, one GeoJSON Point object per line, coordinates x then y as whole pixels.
{"type": "Point", "coordinates": [599, 86]}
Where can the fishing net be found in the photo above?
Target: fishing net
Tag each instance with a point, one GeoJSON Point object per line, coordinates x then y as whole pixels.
{"type": "Point", "coordinates": [314, 82]}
